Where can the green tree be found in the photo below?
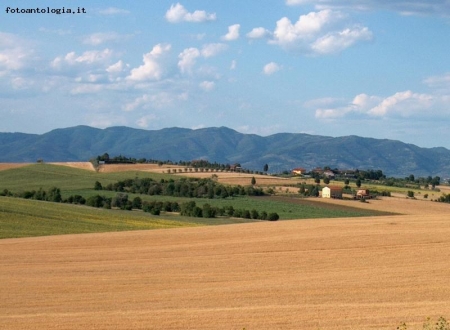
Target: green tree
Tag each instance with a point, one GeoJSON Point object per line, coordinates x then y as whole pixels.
{"type": "Point", "coordinates": [253, 180]}
{"type": "Point", "coordinates": [326, 180]}
{"type": "Point", "coordinates": [98, 186]}
{"type": "Point", "coordinates": [410, 193]}
{"type": "Point", "coordinates": [54, 195]}
{"type": "Point", "coordinates": [358, 183]}
{"type": "Point", "coordinates": [317, 180]}
{"type": "Point", "coordinates": [137, 203]}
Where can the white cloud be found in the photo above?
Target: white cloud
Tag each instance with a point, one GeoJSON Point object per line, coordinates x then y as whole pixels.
{"type": "Point", "coordinates": [116, 67]}
{"type": "Point", "coordinates": [271, 68]}
{"type": "Point", "coordinates": [337, 41]}
{"type": "Point", "coordinates": [88, 57]}
{"type": "Point", "coordinates": [207, 85]}
{"type": "Point", "coordinates": [99, 38]}
{"type": "Point", "coordinates": [258, 33]}
{"type": "Point", "coordinates": [15, 52]}
{"type": "Point", "coordinates": [86, 89]}
{"type": "Point", "coordinates": [233, 65]}
{"type": "Point", "coordinates": [152, 68]}
{"type": "Point", "coordinates": [233, 32]}
{"type": "Point", "coordinates": [187, 59]}
{"type": "Point", "coordinates": [114, 11]}
{"type": "Point", "coordinates": [442, 81]}
{"type": "Point", "coordinates": [160, 100]}
{"type": "Point", "coordinates": [319, 32]}
{"type": "Point", "coordinates": [403, 104]}
{"type": "Point", "coordinates": [404, 7]}
{"type": "Point", "coordinates": [177, 13]}
{"type": "Point", "coordinates": [210, 50]}
{"type": "Point", "coordinates": [144, 122]}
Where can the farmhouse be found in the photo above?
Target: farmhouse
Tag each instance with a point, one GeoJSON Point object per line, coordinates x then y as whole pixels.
{"type": "Point", "coordinates": [298, 171]}
{"type": "Point", "coordinates": [329, 174]}
{"type": "Point", "coordinates": [332, 192]}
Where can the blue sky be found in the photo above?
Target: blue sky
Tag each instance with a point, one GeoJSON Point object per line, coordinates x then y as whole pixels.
{"type": "Point", "coordinates": [324, 67]}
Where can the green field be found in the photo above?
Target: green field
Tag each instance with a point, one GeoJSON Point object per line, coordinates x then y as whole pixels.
{"type": "Point", "coordinates": [69, 180]}
{"type": "Point", "coordinates": [27, 218]}
{"type": "Point", "coordinates": [23, 218]}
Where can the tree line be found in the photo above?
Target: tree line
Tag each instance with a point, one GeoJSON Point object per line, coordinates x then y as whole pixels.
{"type": "Point", "coordinates": [122, 202]}
{"type": "Point", "coordinates": [183, 187]}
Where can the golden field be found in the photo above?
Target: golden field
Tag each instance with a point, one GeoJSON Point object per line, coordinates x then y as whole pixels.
{"type": "Point", "coordinates": [358, 273]}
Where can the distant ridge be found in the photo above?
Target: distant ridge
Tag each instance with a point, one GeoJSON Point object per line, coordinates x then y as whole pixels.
{"type": "Point", "coordinates": [281, 151]}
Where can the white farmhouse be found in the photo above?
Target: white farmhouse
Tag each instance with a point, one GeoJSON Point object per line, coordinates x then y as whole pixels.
{"type": "Point", "coordinates": [332, 192]}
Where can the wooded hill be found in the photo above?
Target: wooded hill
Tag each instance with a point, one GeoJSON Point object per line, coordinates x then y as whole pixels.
{"type": "Point", "coordinates": [282, 151]}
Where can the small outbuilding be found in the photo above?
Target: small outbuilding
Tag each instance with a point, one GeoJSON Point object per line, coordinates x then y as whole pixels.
{"type": "Point", "coordinates": [332, 192]}
{"type": "Point", "coordinates": [363, 193]}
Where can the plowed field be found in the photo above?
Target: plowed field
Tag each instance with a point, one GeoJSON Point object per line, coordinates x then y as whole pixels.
{"type": "Point", "coordinates": [358, 273]}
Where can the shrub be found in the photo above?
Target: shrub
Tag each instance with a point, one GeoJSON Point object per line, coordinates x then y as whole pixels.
{"type": "Point", "coordinates": [273, 216]}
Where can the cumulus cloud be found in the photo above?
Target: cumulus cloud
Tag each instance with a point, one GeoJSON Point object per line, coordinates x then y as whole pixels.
{"type": "Point", "coordinates": [160, 100]}
{"type": "Point", "coordinates": [114, 11]}
{"type": "Point", "coordinates": [210, 50]}
{"type": "Point", "coordinates": [187, 59]}
{"type": "Point", "coordinates": [271, 68]}
{"type": "Point", "coordinates": [207, 85]}
{"type": "Point", "coordinates": [233, 33]}
{"type": "Point", "coordinates": [338, 41]}
{"type": "Point", "coordinates": [177, 13]}
{"type": "Point", "coordinates": [441, 82]}
{"type": "Point", "coordinates": [321, 32]}
{"type": "Point", "coordinates": [116, 67]}
{"type": "Point", "coordinates": [404, 7]}
{"type": "Point", "coordinates": [258, 33]}
{"type": "Point", "coordinates": [88, 57]}
{"type": "Point", "coordinates": [403, 104]}
{"type": "Point", "coordinates": [14, 52]}
{"type": "Point", "coordinates": [99, 38]}
{"type": "Point", "coordinates": [144, 122]}
{"type": "Point", "coordinates": [152, 68]}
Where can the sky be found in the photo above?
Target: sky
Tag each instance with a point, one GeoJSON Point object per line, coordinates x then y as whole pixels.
{"type": "Point", "coordinates": [373, 68]}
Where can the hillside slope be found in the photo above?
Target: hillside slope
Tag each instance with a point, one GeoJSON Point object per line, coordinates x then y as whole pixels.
{"type": "Point", "coordinates": [281, 151]}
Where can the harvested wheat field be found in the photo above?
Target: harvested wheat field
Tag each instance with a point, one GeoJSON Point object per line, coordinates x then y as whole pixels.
{"type": "Point", "coordinates": [359, 273]}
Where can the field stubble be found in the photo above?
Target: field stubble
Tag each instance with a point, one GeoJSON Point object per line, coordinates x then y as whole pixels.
{"type": "Point", "coordinates": [353, 273]}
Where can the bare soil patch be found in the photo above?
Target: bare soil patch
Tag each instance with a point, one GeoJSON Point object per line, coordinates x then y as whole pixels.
{"type": "Point", "coordinates": [8, 166]}
{"type": "Point", "coordinates": [359, 273]}
{"type": "Point", "coordinates": [81, 165]}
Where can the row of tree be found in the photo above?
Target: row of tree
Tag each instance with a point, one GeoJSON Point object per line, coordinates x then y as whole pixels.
{"type": "Point", "coordinates": [201, 163]}
{"type": "Point", "coordinates": [121, 201]}
{"type": "Point", "coordinates": [184, 187]}
{"type": "Point", "coordinates": [190, 209]}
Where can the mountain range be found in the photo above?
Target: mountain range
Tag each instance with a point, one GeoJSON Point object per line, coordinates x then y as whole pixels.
{"type": "Point", "coordinates": [282, 151]}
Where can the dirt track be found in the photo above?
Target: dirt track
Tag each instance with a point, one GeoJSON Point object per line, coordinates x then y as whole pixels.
{"type": "Point", "coordinates": [360, 273]}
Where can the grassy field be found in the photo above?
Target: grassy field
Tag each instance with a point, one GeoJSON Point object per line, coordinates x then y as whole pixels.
{"type": "Point", "coordinates": [70, 180]}
{"type": "Point", "coordinates": [26, 218]}
{"type": "Point", "coordinates": [73, 181]}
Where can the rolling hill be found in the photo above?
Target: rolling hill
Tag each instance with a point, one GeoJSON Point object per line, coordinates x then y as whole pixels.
{"type": "Point", "coordinates": [281, 151]}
